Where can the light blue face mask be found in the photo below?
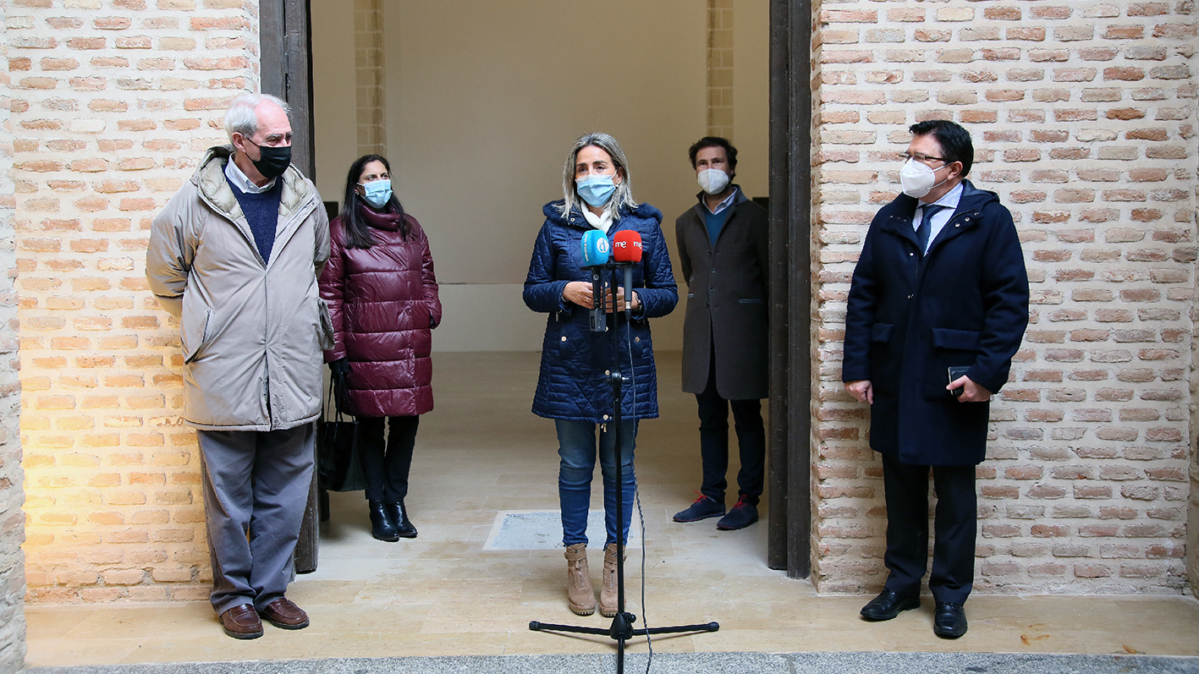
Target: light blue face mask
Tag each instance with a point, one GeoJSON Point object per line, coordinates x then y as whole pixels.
{"type": "Point", "coordinates": [378, 192]}
{"type": "Point", "coordinates": [596, 190]}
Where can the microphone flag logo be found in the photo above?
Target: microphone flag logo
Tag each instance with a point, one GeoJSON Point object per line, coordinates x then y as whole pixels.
{"type": "Point", "coordinates": [595, 249]}
{"type": "Point", "coordinates": [627, 246]}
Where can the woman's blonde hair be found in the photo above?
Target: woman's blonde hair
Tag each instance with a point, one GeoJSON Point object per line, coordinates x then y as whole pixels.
{"type": "Point", "coordinates": [624, 191]}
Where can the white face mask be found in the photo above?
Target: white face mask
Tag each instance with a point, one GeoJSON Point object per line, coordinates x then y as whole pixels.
{"type": "Point", "coordinates": [713, 181]}
{"type": "Point", "coordinates": [918, 179]}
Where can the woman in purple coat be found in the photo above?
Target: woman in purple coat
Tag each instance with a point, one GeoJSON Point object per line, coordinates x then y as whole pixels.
{"type": "Point", "coordinates": [382, 296]}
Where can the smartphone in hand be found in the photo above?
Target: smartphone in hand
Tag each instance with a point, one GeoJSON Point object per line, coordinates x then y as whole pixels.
{"type": "Point", "coordinates": [957, 372]}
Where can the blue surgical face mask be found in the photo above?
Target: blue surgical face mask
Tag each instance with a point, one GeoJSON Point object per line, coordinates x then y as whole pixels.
{"type": "Point", "coordinates": [596, 190]}
{"type": "Point", "coordinates": [378, 192]}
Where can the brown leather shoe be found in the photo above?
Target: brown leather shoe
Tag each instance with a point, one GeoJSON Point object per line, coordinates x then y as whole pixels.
{"type": "Point", "coordinates": [285, 615]}
{"type": "Point", "coordinates": [241, 622]}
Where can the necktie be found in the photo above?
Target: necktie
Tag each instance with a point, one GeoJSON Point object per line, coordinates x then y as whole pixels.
{"type": "Point", "coordinates": [926, 225]}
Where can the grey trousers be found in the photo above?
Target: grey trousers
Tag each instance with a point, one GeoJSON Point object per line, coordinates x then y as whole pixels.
{"type": "Point", "coordinates": [255, 491]}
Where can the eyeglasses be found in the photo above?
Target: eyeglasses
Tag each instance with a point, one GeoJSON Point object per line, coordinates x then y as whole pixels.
{"type": "Point", "coordinates": [923, 158]}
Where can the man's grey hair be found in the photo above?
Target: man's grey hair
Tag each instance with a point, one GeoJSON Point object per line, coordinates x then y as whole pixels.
{"type": "Point", "coordinates": [624, 191]}
{"type": "Point", "coordinates": [241, 117]}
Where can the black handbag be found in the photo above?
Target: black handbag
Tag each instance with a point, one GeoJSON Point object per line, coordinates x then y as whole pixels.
{"type": "Point", "coordinates": [337, 447]}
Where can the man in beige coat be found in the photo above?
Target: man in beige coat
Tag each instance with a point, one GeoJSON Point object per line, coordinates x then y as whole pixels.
{"type": "Point", "coordinates": [235, 256]}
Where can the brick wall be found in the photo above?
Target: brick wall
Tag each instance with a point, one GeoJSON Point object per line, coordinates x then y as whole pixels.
{"type": "Point", "coordinates": [1193, 516]}
{"type": "Point", "coordinates": [113, 103]}
{"type": "Point", "coordinates": [370, 75]}
{"type": "Point", "coordinates": [1083, 117]}
{"type": "Point", "coordinates": [12, 520]}
{"type": "Point", "coordinates": [720, 68]}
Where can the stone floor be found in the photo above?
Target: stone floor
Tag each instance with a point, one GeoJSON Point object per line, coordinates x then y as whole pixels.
{"type": "Point", "coordinates": [481, 453]}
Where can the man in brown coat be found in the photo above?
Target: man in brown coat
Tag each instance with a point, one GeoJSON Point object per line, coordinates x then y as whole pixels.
{"type": "Point", "coordinates": [722, 248]}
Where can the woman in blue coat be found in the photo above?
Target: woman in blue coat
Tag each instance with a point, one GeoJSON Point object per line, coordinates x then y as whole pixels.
{"type": "Point", "coordinates": [573, 389]}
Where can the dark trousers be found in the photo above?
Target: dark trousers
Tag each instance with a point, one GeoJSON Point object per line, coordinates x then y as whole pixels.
{"type": "Point", "coordinates": [255, 491]}
{"type": "Point", "coordinates": [385, 466]}
{"type": "Point", "coordinates": [714, 441]}
{"type": "Point", "coordinates": [955, 528]}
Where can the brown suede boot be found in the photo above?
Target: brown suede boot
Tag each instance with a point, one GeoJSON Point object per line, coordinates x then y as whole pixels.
{"type": "Point", "coordinates": [608, 594]}
{"type": "Point", "coordinates": [579, 594]}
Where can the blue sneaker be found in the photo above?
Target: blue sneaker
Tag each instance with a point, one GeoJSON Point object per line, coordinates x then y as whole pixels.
{"type": "Point", "coordinates": [703, 508]}
{"type": "Point", "coordinates": [742, 515]}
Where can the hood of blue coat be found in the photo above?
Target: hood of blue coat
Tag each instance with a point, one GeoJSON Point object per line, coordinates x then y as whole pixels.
{"type": "Point", "coordinates": [553, 213]}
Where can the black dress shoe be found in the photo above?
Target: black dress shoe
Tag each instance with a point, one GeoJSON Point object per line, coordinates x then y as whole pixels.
{"type": "Point", "coordinates": [399, 515]}
{"type": "Point", "coordinates": [949, 620]}
{"type": "Point", "coordinates": [888, 604]}
{"type": "Point", "coordinates": [382, 527]}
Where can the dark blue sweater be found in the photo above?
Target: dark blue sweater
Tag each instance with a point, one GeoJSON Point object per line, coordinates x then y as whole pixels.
{"type": "Point", "coordinates": [715, 223]}
{"type": "Point", "coordinates": [262, 213]}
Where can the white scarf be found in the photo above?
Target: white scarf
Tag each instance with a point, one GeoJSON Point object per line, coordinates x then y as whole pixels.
{"type": "Point", "coordinates": [600, 222]}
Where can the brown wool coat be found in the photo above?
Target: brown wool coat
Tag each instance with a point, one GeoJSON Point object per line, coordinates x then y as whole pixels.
{"type": "Point", "coordinates": [727, 301]}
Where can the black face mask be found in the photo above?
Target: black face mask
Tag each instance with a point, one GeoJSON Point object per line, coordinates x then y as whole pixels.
{"type": "Point", "coordinates": [273, 161]}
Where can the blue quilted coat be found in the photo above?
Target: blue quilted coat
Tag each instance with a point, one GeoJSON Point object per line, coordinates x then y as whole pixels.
{"type": "Point", "coordinates": [572, 384]}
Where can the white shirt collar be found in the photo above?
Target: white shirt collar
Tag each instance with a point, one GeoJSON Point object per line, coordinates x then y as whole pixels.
{"type": "Point", "coordinates": [950, 199]}
{"type": "Point", "coordinates": [241, 182]}
{"type": "Point", "coordinates": [941, 217]}
{"type": "Point", "coordinates": [722, 205]}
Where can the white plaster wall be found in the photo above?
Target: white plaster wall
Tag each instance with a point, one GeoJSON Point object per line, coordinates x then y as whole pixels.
{"type": "Point", "coordinates": [751, 95]}
{"type": "Point", "coordinates": [483, 102]}
{"type": "Point", "coordinates": [335, 109]}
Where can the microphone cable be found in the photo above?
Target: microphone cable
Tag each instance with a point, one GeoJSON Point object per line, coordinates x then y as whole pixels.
{"type": "Point", "coordinates": [649, 642]}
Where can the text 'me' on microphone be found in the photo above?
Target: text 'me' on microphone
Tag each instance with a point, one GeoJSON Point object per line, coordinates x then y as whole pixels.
{"type": "Point", "coordinates": [626, 246]}
{"type": "Point", "coordinates": [626, 251]}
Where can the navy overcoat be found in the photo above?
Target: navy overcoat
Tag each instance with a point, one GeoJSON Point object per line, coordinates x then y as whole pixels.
{"type": "Point", "coordinates": [574, 360]}
{"type": "Point", "coordinates": [910, 317]}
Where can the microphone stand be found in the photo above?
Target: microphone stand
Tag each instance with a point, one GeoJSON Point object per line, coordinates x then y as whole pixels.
{"type": "Point", "coordinates": [621, 629]}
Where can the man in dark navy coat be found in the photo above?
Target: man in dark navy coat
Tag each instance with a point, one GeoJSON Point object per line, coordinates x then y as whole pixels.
{"type": "Point", "coordinates": [940, 284]}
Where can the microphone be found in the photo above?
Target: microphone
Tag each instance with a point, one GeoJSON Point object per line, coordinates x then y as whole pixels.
{"type": "Point", "coordinates": [626, 252]}
{"type": "Point", "coordinates": [595, 248]}
{"type": "Point", "coordinates": [595, 255]}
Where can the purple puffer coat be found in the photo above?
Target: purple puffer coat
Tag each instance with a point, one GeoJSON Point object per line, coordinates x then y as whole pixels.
{"type": "Point", "coordinates": [383, 302]}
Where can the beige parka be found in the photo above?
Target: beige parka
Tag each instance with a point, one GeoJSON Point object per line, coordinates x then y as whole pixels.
{"type": "Point", "coordinates": [251, 333]}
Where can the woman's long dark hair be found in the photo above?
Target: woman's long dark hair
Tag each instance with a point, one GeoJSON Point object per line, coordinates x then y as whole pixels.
{"type": "Point", "coordinates": [358, 234]}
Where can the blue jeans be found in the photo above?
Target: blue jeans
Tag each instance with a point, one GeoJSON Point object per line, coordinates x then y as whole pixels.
{"type": "Point", "coordinates": [577, 448]}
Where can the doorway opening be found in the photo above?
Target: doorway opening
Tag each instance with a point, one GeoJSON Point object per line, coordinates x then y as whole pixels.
{"type": "Point", "coordinates": [475, 105]}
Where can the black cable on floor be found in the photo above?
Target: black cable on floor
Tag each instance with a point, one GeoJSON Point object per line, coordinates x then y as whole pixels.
{"type": "Point", "coordinates": [648, 640]}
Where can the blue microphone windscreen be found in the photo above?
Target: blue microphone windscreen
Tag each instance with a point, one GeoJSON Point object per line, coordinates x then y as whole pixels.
{"type": "Point", "coordinates": [596, 248]}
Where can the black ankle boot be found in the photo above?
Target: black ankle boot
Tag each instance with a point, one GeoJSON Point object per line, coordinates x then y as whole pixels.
{"type": "Point", "coordinates": [381, 524]}
{"type": "Point", "coordinates": [399, 514]}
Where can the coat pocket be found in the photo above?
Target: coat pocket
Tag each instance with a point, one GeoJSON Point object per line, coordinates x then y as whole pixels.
{"type": "Point", "coordinates": [960, 340]}
{"type": "Point", "coordinates": [194, 329]}
{"type": "Point", "coordinates": [326, 335]}
{"type": "Point", "coordinates": [751, 301]}
{"type": "Point", "coordinates": [884, 365]}
{"type": "Point", "coordinates": [951, 348]}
